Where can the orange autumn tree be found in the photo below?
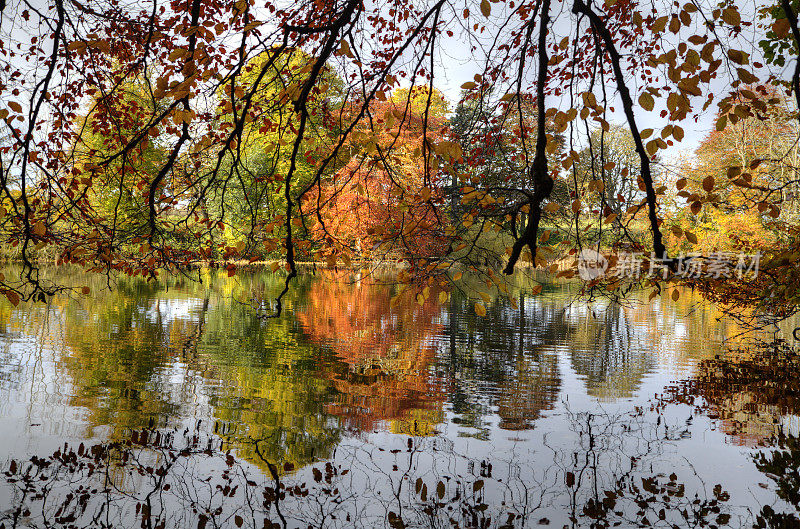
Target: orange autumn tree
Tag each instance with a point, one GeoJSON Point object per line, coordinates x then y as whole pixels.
{"type": "Point", "coordinates": [382, 371]}
{"type": "Point", "coordinates": [386, 201]}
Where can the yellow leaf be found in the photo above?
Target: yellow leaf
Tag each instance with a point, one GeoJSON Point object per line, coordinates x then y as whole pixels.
{"type": "Point", "coordinates": [485, 297]}
{"type": "Point", "coordinates": [480, 310]}
{"type": "Point", "coordinates": [457, 276]}
{"type": "Point", "coordinates": [442, 297]}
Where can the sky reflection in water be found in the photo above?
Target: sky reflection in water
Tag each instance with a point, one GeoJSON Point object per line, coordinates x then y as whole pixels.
{"type": "Point", "coordinates": [402, 393]}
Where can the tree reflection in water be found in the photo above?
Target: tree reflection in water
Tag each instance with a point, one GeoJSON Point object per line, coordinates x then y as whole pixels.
{"type": "Point", "coordinates": [158, 478]}
{"type": "Point", "coordinates": [298, 402]}
{"type": "Point", "coordinates": [383, 351]}
{"type": "Point", "coordinates": [755, 394]}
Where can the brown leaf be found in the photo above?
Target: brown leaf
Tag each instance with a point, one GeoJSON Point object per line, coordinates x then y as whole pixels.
{"type": "Point", "coordinates": [13, 297]}
{"type": "Point", "coordinates": [738, 56]}
{"type": "Point", "coordinates": [781, 28]}
{"type": "Point", "coordinates": [731, 16]}
{"type": "Point", "coordinates": [746, 76]}
{"type": "Point", "coordinates": [646, 101]}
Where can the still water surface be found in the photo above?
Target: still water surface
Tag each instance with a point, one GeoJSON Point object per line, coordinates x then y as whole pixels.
{"type": "Point", "coordinates": [437, 415]}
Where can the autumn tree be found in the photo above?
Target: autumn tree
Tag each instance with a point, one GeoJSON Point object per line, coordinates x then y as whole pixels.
{"type": "Point", "coordinates": [571, 64]}
{"type": "Point", "coordinates": [385, 201]}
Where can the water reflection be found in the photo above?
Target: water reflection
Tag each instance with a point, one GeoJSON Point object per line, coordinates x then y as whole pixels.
{"type": "Point", "coordinates": [383, 353]}
{"type": "Point", "coordinates": [753, 391]}
{"type": "Point", "coordinates": [504, 362]}
{"type": "Point", "coordinates": [348, 367]}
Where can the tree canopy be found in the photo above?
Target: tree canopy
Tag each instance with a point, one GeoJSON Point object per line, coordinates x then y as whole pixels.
{"type": "Point", "coordinates": [142, 137]}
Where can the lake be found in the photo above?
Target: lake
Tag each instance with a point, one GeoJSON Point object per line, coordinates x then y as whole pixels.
{"type": "Point", "coordinates": [174, 404]}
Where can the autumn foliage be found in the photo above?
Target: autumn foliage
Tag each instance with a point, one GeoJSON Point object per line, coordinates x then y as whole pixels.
{"type": "Point", "coordinates": [138, 139]}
